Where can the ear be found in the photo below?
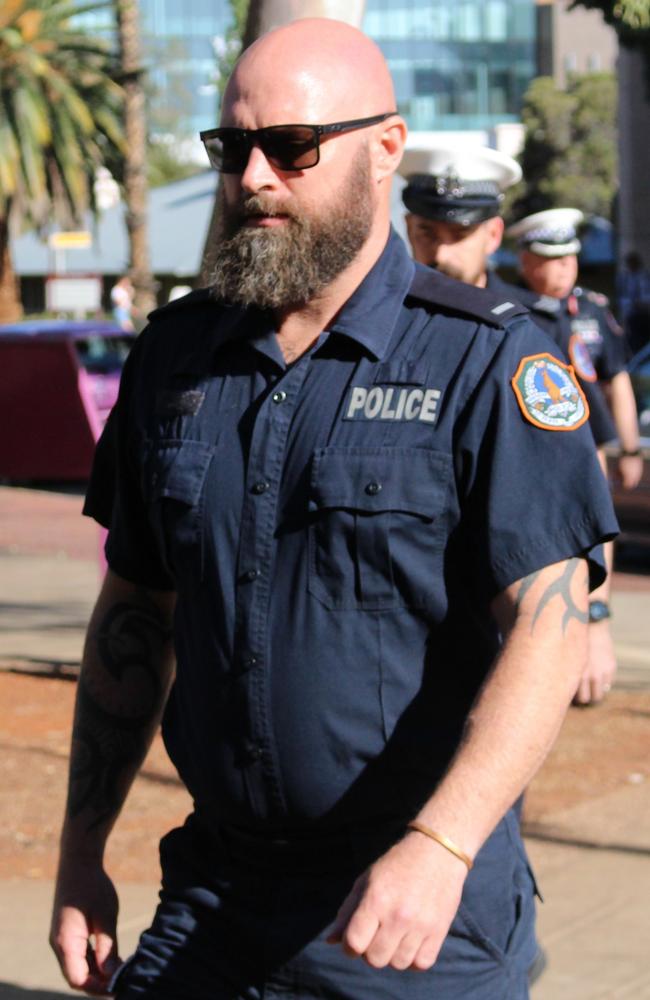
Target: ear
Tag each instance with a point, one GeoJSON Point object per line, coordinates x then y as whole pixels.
{"type": "Point", "coordinates": [390, 147]}
{"type": "Point", "coordinates": [409, 219]}
{"type": "Point", "coordinates": [494, 228]}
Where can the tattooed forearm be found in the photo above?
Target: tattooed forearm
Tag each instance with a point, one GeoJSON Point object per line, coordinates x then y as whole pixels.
{"type": "Point", "coordinates": [560, 587]}
{"type": "Point", "coordinates": [122, 689]}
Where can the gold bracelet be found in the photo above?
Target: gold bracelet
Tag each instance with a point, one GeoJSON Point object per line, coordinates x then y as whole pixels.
{"type": "Point", "coordinates": [442, 840]}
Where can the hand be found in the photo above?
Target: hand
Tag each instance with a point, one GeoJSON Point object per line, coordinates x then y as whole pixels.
{"type": "Point", "coordinates": [399, 911]}
{"type": "Point", "coordinates": [630, 470]}
{"type": "Point", "coordinates": [600, 671]}
{"type": "Point", "coordinates": [85, 905]}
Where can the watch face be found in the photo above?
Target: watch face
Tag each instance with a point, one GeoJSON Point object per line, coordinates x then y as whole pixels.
{"type": "Point", "coordinates": [598, 611]}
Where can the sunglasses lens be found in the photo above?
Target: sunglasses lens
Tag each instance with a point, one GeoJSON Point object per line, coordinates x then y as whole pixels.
{"type": "Point", "coordinates": [229, 151]}
{"type": "Point", "coordinates": [288, 148]}
{"type": "Point", "coordinates": [293, 148]}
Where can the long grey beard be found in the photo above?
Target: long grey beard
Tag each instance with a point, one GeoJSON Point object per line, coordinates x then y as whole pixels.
{"type": "Point", "coordinates": [271, 269]}
{"type": "Point", "coordinates": [286, 266]}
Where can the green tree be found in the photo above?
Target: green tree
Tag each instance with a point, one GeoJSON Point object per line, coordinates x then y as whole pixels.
{"type": "Point", "coordinates": [59, 120]}
{"type": "Point", "coordinates": [227, 49]}
{"type": "Point", "coordinates": [569, 155]}
{"type": "Point", "coordinates": [631, 19]}
{"type": "Point", "coordinates": [625, 15]}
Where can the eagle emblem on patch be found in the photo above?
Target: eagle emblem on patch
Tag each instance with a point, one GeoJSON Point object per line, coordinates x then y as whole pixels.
{"type": "Point", "coordinates": [548, 393]}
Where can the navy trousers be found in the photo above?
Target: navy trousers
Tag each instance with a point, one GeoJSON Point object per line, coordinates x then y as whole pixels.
{"type": "Point", "coordinates": [240, 920]}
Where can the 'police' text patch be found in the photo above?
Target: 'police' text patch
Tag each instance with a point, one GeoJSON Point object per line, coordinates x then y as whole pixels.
{"type": "Point", "coordinates": [392, 403]}
{"type": "Point", "coordinates": [548, 394]}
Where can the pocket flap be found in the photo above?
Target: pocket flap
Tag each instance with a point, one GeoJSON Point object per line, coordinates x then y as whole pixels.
{"type": "Point", "coordinates": [176, 469]}
{"type": "Point", "coordinates": [378, 479]}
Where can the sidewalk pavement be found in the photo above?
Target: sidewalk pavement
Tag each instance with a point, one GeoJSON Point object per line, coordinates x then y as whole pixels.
{"type": "Point", "coordinates": [592, 860]}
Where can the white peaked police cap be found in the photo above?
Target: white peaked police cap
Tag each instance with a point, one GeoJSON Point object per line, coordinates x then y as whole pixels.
{"type": "Point", "coordinates": [552, 233]}
{"type": "Point", "coordinates": [457, 184]}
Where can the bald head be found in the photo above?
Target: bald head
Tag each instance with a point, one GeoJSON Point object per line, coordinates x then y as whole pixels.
{"type": "Point", "coordinates": [301, 199]}
{"type": "Point", "coordinates": [312, 70]}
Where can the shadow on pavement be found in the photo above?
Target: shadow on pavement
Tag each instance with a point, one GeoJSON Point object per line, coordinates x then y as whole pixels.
{"type": "Point", "coordinates": [8, 991]}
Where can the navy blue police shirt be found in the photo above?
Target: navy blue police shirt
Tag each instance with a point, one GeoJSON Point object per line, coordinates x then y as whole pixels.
{"type": "Point", "coordinates": [335, 530]}
{"type": "Point", "coordinates": [551, 315]}
{"type": "Point", "coordinates": [591, 318]}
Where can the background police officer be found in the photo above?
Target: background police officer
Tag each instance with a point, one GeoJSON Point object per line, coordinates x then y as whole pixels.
{"type": "Point", "coordinates": [454, 197]}
{"type": "Point", "coordinates": [548, 257]}
{"type": "Point", "coordinates": [332, 479]}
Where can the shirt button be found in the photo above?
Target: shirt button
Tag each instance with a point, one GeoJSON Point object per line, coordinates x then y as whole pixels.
{"type": "Point", "coordinates": [261, 487]}
{"type": "Point", "coordinates": [252, 574]}
{"type": "Point", "coordinates": [372, 489]}
{"type": "Point", "coordinates": [279, 396]}
{"type": "Point", "coordinates": [253, 752]}
{"type": "Point", "coordinates": [248, 662]}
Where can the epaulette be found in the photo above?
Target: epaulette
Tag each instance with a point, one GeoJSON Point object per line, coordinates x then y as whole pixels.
{"type": "Point", "coordinates": [478, 303]}
{"type": "Point", "coordinates": [596, 297]}
{"type": "Point", "coordinates": [545, 304]}
{"type": "Point", "coordinates": [198, 297]}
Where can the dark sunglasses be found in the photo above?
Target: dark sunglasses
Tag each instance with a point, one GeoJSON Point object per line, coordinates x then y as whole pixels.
{"type": "Point", "coordinates": [287, 147]}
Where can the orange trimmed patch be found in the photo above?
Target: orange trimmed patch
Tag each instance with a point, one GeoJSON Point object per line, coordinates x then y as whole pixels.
{"type": "Point", "coordinates": [548, 393]}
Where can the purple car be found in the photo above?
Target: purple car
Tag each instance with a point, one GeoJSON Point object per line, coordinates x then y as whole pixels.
{"type": "Point", "coordinates": [58, 382]}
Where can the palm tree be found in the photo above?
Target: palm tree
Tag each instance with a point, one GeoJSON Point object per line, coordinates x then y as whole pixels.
{"type": "Point", "coordinates": [60, 115]}
{"type": "Point", "coordinates": [136, 187]}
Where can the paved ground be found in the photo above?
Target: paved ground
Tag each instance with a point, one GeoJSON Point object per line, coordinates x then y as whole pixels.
{"type": "Point", "coordinates": [588, 812]}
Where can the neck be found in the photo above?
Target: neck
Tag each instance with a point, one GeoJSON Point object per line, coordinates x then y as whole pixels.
{"type": "Point", "coordinates": [297, 329]}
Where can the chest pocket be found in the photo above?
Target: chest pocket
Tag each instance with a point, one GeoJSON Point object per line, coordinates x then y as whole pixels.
{"type": "Point", "coordinates": [174, 477]}
{"type": "Point", "coordinates": [376, 526]}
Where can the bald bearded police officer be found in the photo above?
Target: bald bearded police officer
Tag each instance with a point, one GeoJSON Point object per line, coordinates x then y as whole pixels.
{"type": "Point", "coordinates": [548, 247]}
{"type": "Point", "coordinates": [333, 472]}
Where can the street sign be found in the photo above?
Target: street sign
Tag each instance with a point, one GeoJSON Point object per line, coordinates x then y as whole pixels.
{"type": "Point", "coordinates": [73, 293]}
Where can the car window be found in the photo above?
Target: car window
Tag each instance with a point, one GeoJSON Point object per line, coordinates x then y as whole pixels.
{"type": "Point", "coordinates": [99, 355]}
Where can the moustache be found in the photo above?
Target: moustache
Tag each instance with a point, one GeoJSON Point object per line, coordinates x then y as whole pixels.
{"type": "Point", "coordinates": [257, 206]}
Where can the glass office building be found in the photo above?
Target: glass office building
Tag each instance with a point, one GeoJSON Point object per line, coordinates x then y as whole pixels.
{"type": "Point", "coordinates": [460, 65]}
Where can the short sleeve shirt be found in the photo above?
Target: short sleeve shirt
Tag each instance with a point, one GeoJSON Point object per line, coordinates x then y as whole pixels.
{"type": "Point", "coordinates": [591, 318]}
{"type": "Point", "coordinates": [552, 316]}
{"type": "Point", "coordinates": [335, 531]}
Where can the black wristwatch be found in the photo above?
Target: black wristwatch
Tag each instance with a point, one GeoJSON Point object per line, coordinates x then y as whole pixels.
{"type": "Point", "coordinates": [599, 611]}
{"type": "Point", "coordinates": [629, 452]}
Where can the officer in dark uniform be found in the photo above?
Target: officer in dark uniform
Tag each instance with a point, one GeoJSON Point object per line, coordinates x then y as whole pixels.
{"type": "Point", "coordinates": [454, 197]}
{"type": "Point", "coordinates": [549, 245]}
{"type": "Point", "coordinates": [337, 478]}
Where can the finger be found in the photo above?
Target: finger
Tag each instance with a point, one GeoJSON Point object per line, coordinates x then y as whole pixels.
{"type": "Point", "coordinates": [407, 949]}
{"type": "Point", "coordinates": [381, 948]}
{"type": "Point", "coordinates": [360, 931]}
{"type": "Point", "coordinates": [583, 694]}
{"type": "Point", "coordinates": [346, 910]}
{"type": "Point", "coordinates": [69, 940]}
{"type": "Point", "coordinates": [426, 955]}
{"type": "Point", "coordinates": [596, 689]}
{"type": "Point", "coordinates": [106, 955]}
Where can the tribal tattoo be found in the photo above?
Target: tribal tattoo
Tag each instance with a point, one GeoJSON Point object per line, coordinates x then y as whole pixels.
{"type": "Point", "coordinates": [121, 692]}
{"type": "Point", "coordinates": [557, 588]}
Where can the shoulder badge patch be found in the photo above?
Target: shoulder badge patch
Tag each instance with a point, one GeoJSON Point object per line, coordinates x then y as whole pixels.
{"type": "Point", "coordinates": [548, 394]}
{"type": "Point", "coordinates": [581, 358]}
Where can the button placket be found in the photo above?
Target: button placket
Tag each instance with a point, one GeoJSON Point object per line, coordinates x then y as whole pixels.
{"type": "Point", "coordinates": [265, 463]}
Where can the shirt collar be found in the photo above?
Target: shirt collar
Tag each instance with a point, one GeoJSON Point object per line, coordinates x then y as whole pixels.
{"type": "Point", "coordinates": [370, 314]}
{"type": "Point", "coordinates": [368, 317]}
